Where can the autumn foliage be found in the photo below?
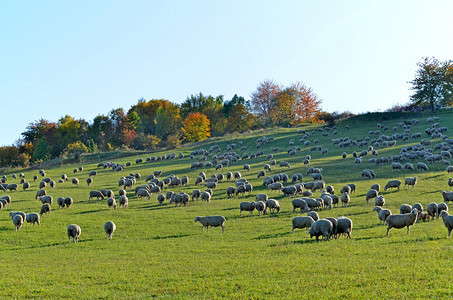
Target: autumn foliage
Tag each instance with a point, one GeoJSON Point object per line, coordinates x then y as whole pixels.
{"type": "Point", "coordinates": [196, 127]}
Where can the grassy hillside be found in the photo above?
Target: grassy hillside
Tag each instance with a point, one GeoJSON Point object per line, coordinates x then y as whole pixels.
{"type": "Point", "coordinates": [158, 251]}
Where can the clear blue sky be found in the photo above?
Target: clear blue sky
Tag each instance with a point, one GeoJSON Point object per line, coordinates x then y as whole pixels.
{"type": "Point", "coordinates": [84, 58]}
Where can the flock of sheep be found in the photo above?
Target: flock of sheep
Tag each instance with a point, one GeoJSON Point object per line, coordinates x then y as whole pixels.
{"type": "Point", "coordinates": [289, 185]}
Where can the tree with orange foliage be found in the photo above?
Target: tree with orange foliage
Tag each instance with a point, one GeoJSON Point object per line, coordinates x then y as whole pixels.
{"type": "Point", "coordinates": [196, 127]}
{"type": "Point", "coordinates": [305, 103]}
{"type": "Point", "coordinates": [263, 100]}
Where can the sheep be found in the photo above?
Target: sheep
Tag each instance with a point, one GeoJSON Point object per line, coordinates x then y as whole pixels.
{"type": "Point", "coordinates": [195, 194]}
{"type": "Point", "coordinates": [261, 173]}
{"type": "Point", "coordinates": [89, 181]}
{"type": "Point", "coordinates": [370, 195]}
{"type": "Point", "coordinates": [410, 182]}
{"type": "Point", "coordinates": [352, 186]}
{"type": "Point", "coordinates": [18, 221]}
{"type": "Point", "coordinates": [52, 184]}
{"type": "Point", "coordinates": [321, 227]}
{"type": "Point", "coordinates": [409, 167]}
{"type": "Point", "coordinates": [211, 185]}
{"type": "Point", "coordinates": [205, 196]}
{"type": "Point", "coordinates": [314, 215]}
{"type": "Point", "coordinates": [40, 193]}
{"type": "Point", "coordinates": [68, 202]}
{"type": "Point", "coordinates": [376, 187]}
{"type": "Point", "coordinates": [402, 220]}
{"type": "Point", "coordinates": [45, 208]}
{"type": "Point", "coordinates": [345, 199]}
{"type": "Point", "coordinates": [247, 167]}
{"type": "Point", "coordinates": [431, 209]}
{"type": "Point", "coordinates": [276, 186]}
{"type": "Point", "coordinates": [6, 198]}
{"type": "Point", "coordinates": [405, 209]}
{"type": "Point", "coordinates": [247, 206]}
{"type": "Point", "coordinates": [32, 218]}
{"type": "Point", "coordinates": [111, 203]}
{"type": "Point", "coordinates": [211, 221]}
{"type": "Point", "coordinates": [441, 207]}
{"type": "Point", "coordinates": [143, 193]}
{"type": "Point", "coordinates": [46, 199]}
{"type": "Point", "coordinates": [109, 228]}
{"type": "Point", "coordinates": [422, 167]}
{"type": "Point", "coordinates": [75, 181]}
{"type": "Point", "coordinates": [299, 203]}
{"type": "Point", "coordinates": [382, 213]}
{"type": "Point", "coordinates": [64, 177]}
{"type": "Point", "coordinates": [60, 202]}
{"type": "Point", "coordinates": [12, 187]}
{"type": "Point", "coordinates": [289, 190]}
{"type": "Point", "coordinates": [397, 166]}
{"type": "Point", "coordinates": [74, 232]}
{"type": "Point", "coordinates": [448, 196]}
{"type": "Point", "coordinates": [302, 222]}
{"type": "Point", "coordinates": [448, 221]}
{"type": "Point", "coordinates": [161, 198]}
{"type": "Point", "coordinates": [237, 175]}
{"type": "Point", "coordinates": [450, 169]}
{"type": "Point", "coordinates": [260, 206]}
{"type": "Point", "coordinates": [450, 181]}
{"type": "Point", "coordinates": [344, 226]}
{"type": "Point", "coordinates": [330, 189]}
{"type": "Point", "coordinates": [379, 201]}
{"type": "Point", "coordinates": [273, 206]}
{"type": "Point", "coordinates": [345, 189]}
{"type": "Point", "coordinates": [96, 194]}
{"type": "Point", "coordinates": [123, 201]}
{"type": "Point", "coordinates": [25, 186]}
{"type": "Point", "coordinates": [261, 197]}
{"type": "Point", "coordinates": [284, 164]}
{"type": "Point", "coordinates": [393, 184]}
{"type": "Point", "coordinates": [318, 185]}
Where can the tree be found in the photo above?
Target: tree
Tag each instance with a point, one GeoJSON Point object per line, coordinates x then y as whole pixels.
{"type": "Point", "coordinates": [306, 103]}
{"type": "Point", "coordinates": [196, 127]}
{"type": "Point", "coordinates": [168, 121]}
{"type": "Point", "coordinates": [263, 99]}
{"type": "Point", "coordinates": [239, 120]}
{"type": "Point", "coordinates": [42, 150]}
{"type": "Point", "coordinates": [236, 100]}
{"type": "Point", "coordinates": [8, 155]}
{"type": "Point", "coordinates": [433, 83]}
{"type": "Point", "coordinates": [77, 149]}
{"type": "Point", "coordinates": [145, 142]}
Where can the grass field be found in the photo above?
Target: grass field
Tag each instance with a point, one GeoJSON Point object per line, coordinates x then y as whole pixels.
{"type": "Point", "coordinates": [158, 251]}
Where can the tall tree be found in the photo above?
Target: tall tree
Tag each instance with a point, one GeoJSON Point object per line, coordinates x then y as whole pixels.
{"type": "Point", "coordinates": [264, 98]}
{"type": "Point", "coordinates": [433, 83]}
{"type": "Point", "coordinates": [307, 105]}
{"type": "Point", "coordinates": [196, 127]}
{"type": "Point", "coordinates": [239, 120]}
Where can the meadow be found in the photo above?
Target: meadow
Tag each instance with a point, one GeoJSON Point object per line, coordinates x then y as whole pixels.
{"type": "Point", "coordinates": [158, 251]}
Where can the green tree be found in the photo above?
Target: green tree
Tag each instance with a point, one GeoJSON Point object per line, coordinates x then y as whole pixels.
{"type": "Point", "coordinates": [433, 83]}
{"type": "Point", "coordinates": [42, 150]}
{"type": "Point", "coordinates": [168, 121]}
{"type": "Point", "coordinates": [76, 149]}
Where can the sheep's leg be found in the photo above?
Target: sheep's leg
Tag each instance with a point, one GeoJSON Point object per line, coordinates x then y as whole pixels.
{"type": "Point", "coordinates": [223, 228]}
{"type": "Point", "coordinates": [449, 232]}
{"type": "Point", "coordinates": [408, 229]}
{"type": "Point", "coordinates": [388, 229]}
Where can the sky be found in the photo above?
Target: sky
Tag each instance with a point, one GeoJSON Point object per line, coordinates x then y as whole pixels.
{"type": "Point", "coordinates": [84, 58]}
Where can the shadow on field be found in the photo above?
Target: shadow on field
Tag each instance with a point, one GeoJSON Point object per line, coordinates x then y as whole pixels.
{"type": "Point", "coordinates": [368, 227]}
{"type": "Point", "coordinates": [175, 236]}
{"type": "Point", "coordinates": [433, 177]}
{"type": "Point", "coordinates": [272, 236]}
{"type": "Point", "coordinates": [89, 211]}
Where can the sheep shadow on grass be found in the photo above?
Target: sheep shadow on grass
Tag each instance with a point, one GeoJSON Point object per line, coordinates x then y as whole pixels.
{"type": "Point", "coordinates": [272, 236]}
{"type": "Point", "coordinates": [170, 236]}
{"type": "Point", "coordinates": [89, 211]}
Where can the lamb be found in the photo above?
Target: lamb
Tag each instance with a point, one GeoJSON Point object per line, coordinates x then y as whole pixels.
{"type": "Point", "coordinates": [402, 220]}
{"type": "Point", "coordinates": [410, 182]}
{"type": "Point", "coordinates": [109, 228]}
{"type": "Point", "coordinates": [392, 184]}
{"type": "Point", "coordinates": [74, 232]}
{"type": "Point", "coordinates": [448, 196]}
{"type": "Point", "coordinates": [123, 201]}
{"type": "Point", "coordinates": [205, 196]}
{"type": "Point", "coordinates": [18, 221]}
{"type": "Point", "coordinates": [448, 221]}
{"type": "Point", "coordinates": [344, 226]}
{"type": "Point", "coordinates": [422, 167]}
{"type": "Point", "coordinates": [211, 221]}
{"type": "Point", "coordinates": [379, 201]}
{"type": "Point", "coordinates": [45, 208]}
{"type": "Point", "coordinates": [302, 222]}
{"type": "Point", "coordinates": [345, 199]}
{"type": "Point", "coordinates": [111, 202]}
{"type": "Point", "coordinates": [382, 213]}
{"type": "Point", "coordinates": [321, 227]}
{"type": "Point", "coordinates": [441, 207]}
{"type": "Point", "coordinates": [314, 215]}
{"type": "Point", "coordinates": [96, 194]}
{"type": "Point", "coordinates": [46, 199]}
{"type": "Point", "coordinates": [299, 203]}
{"type": "Point", "coordinates": [431, 209]}
{"type": "Point", "coordinates": [370, 195]}
{"type": "Point", "coordinates": [247, 206]}
{"type": "Point", "coordinates": [32, 218]}
{"type": "Point", "coordinates": [273, 206]}
{"type": "Point", "coordinates": [40, 193]}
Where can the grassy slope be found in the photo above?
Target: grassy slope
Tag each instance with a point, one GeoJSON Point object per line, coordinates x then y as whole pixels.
{"type": "Point", "coordinates": [160, 251]}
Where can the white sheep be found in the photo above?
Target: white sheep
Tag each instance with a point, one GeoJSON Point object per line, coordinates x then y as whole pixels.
{"type": "Point", "coordinates": [401, 221]}
{"type": "Point", "coordinates": [18, 221]}
{"type": "Point", "coordinates": [431, 209]}
{"type": "Point", "coordinates": [321, 227]}
{"type": "Point", "coordinates": [379, 201]}
{"type": "Point", "coordinates": [382, 213]}
{"type": "Point", "coordinates": [410, 181]}
{"type": "Point", "coordinates": [393, 184]}
{"type": "Point", "coordinates": [74, 232]}
{"type": "Point", "coordinates": [109, 228]}
{"type": "Point", "coordinates": [448, 221]}
{"type": "Point", "coordinates": [32, 218]}
{"type": "Point", "coordinates": [302, 222]}
{"type": "Point", "coordinates": [370, 195]}
{"type": "Point", "coordinates": [213, 221]}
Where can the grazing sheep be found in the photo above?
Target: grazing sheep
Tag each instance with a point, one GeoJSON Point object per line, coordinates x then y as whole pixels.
{"type": "Point", "coordinates": [422, 167]}
{"type": "Point", "coordinates": [345, 199]}
{"type": "Point", "coordinates": [123, 201]}
{"type": "Point", "coordinates": [448, 196]}
{"type": "Point", "coordinates": [431, 209]}
{"type": "Point", "coordinates": [25, 186]}
{"type": "Point", "coordinates": [205, 196]}
{"type": "Point", "coordinates": [321, 227]}
{"type": "Point", "coordinates": [68, 202]}
{"type": "Point", "coordinates": [260, 206]}
{"type": "Point", "coordinates": [46, 199]}
{"type": "Point", "coordinates": [397, 166]}
{"type": "Point", "coordinates": [402, 220]}
{"type": "Point", "coordinates": [161, 198]}
{"type": "Point", "coordinates": [289, 190]}
{"type": "Point", "coordinates": [371, 194]}
{"type": "Point", "coordinates": [261, 173]}
{"type": "Point", "coordinates": [353, 187]}
{"type": "Point", "coordinates": [273, 206]}
{"type": "Point", "coordinates": [344, 226]}
{"type": "Point", "coordinates": [45, 208]}
{"type": "Point", "coordinates": [276, 186]}
{"type": "Point", "coordinates": [302, 222]}
{"type": "Point", "coordinates": [195, 195]}
{"type": "Point", "coordinates": [42, 185]}
{"type": "Point", "coordinates": [109, 228]}
{"type": "Point", "coordinates": [376, 187]}
{"type": "Point", "coordinates": [143, 193]}
{"type": "Point", "coordinates": [32, 218]}
{"type": "Point", "coordinates": [96, 194]}
{"type": "Point", "coordinates": [450, 181]}
{"type": "Point", "coordinates": [392, 184]}
{"type": "Point", "coordinates": [441, 207]}
{"type": "Point", "coordinates": [409, 167]}
{"type": "Point", "coordinates": [318, 185]}
{"type": "Point", "coordinates": [284, 164]}
{"type": "Point", "coordinates": [314, 215]}
{"type": "Point", "coordinates": [18, 221]}
{"type": "Point", "coordinates": [75, 181]}
{"type": "Point", "coordinates": [111, 202]}
{"type": "Point", "coordinates": [410, 182]}
{"type": "Point", "coordinates": [40, 193]}
{"type": "Point", "coordinates": [379, 201]}
{"type": "Point", "coordinates": [89, 181]}
{"type": "Point", "coordinates": [382, 213]}
{"type": "Point", "coordinates": [247, 167]}
{"type": "Point", "coordinates": [6, 198]}
{"type": "Point", "coordinates": [405, 209]}
{"type": "Point", "coordinates": [60, 202]}
{"type": "Point", "coordinates": [448, 221]}
{"type": "Point", "coordinates": [345, 189]}
{"type": "Point", "coordinates": [450, 169]}
{"type": "Point", "coordinates": [330, 189]}
{"type": "Point", "coordinates": [299, 203]}
{"type": "Point", "coordinates": [211, 221]}
{"type": "Point", "coordinates": [247, 206]}
{"type": "Point", "coordinates": [74, 232]}
{"type": "Point", "coordinates": [52, 184]}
